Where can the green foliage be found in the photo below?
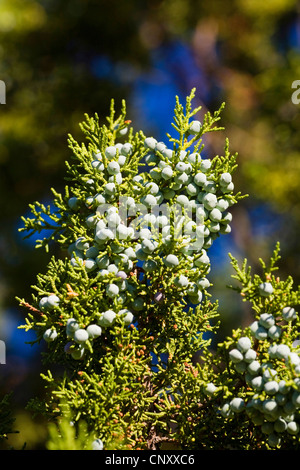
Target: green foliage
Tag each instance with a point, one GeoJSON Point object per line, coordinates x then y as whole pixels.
{"type": "Point", "coordinates": [66, 435]}
{"type": "Point", "coordinates": [262, 379]}
{"type": "Point", "coordinates": [6, 418]}
{"type": "Point", "coordinates": [128, 314]}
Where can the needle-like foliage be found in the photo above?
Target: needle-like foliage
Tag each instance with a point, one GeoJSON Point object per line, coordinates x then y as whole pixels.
{"type": "Point", "coordinates": [126, 310]}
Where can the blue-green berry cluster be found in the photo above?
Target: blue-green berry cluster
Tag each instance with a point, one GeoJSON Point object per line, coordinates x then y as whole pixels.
{"type": "Point", "coordinates": [120, 238]}
{"type": "Point", "coordinates": [79, 338]}
{"type": "Point", "coordinates": [273, 377]}
{"type": "Point", "coordinates": [191, 181]}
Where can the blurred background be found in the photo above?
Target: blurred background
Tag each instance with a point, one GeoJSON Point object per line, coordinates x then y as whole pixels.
{"type": "Point", "coordinates": [60, 59]}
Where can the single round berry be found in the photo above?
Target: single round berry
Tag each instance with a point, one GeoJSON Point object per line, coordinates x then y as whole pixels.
{"type": "Point", "coordinates": [127, 149]}
{"type": "Point", "coordinates": [210, 201]}
{"type": "Point", "coordinates": [215, 215]}
{"type": "Point", "coordinates": [192, 189]}
{"type": "Point", "coordinates": [280, 425]}
{"type": "Point", "coordinates": [73, 203]}
{"type": "Point", "coordinates": [147, 246]}
{"type": "Point", "coordinates": [122, 275]}
{"type": "Point", "coordinates": [292, 428]}
{"type": "Point", "coordinates": [100, 199]}
{"type": "Point", "coordinates": [289, 313]}
{"type": "Point", "coordinates": [71, 326]}
{"type": "Point", "coordinates": [210, 389]}
{"type": "Point", "coordinates": [268, 372]}
{"type": "Point", "coordinates": [236, 356]}
{"type": "Point", "coordinates": [50, 335]}
{"type": "Point", "coordinates": [150, 265]}
{"type": "Point", "coordinates": [81, 244]}
{"type": "Point", "coordinates": [97, 444]}
{"type": "Point", "coordinates": [205, 165]}
{"type": "Point", "coordinates": [149, 200]}
{"type": "Point", "coordinates": [92, 252]}
{"type": "Point", "coordinates": [197, 298]}
{"type": "Point", "coordinates": [113, 219]}
{"type": "Point", "coordinates": [150, 143]}
{"type": "Point", "coordinates": [227, 188]}
{"type": "Point", "coordinates": [169, 193]}
{"type": "Point", "coordinates": [210, 187]}
{"type": "Point", "coordinates": [110, 189]}
{"type": "Point", "coordinates": [257, 382]}
{"type": "Point", "coordinates": [112, 290]}
{"type": "Point", "coordinates": [271, 387]}
{"type": "Point", "coordinates": [104, 235]}
{"type": "Point", "coordinates": [265, 289]}
{"type": "Point", "coordinates": [94, 331]}
{"type": "Point", "coordinates": [43, 303]}
{"type": "Point", "coordinates": [181, 167]}
{"type": "Point", "coordinates": [167, 172]}
{"type": "Point", "coordinates": [110, 152]}
{"type": "Point", "coordinates": [222, 205]}
{"type": "Point", "coordinates": [153, 188]}
{"type": "Point", "coordinates": [267, 320]}
{"type": "Point", "coordinates": [117, 178]}
{"type": "Point", "coordinates": [202, 260]}
{"type": "Point", "coordinates": [244, 344]}
{"type": "Point", "coordinates": [283, 387]}
{"type": "Point", "coordinates": [113, 168]}
{"type": "Point", "coordinates": [274, 332]}
{"type": "Point", "coordinates": [181, 281]}
{"type": "Point", "coordinates": [90, 264]}
{"type": "Point", "coordinates": [158, 297]}
{"type": "Point", "coordinates": [250, 355]}
{"type": "Point", "coordinates": [282, 351]}
{"type": "Point", "coordinates": [102, 261]}
{"type": "Point", "coordinates": [107, 318]}
{"type": "Point", "coordinates": [78, 353]}
{"type": "Point", "coordinates": [127, 316]}
{"type": "Point", "coordinates": [293, 358]}
{"type": "Point", "coordinates": [183, 200]}
{"type": "Point", "coordinates": [237, 404]}
{"type": "Point", "coordinates": [194, 158]}
{"type": "Point", "coordinates": [203, 283]}
{"type": "Point", "coordinates": [155, 173]}
{"type": "Point", "coordinates": [254, 368]}
{"type": "Point", "coordinates": [200, 179]}
{"type": "Point", "coordinates": [171, 261]}
{"type": "Point", "coordinates": [122, 160]}
{"type": "Point", "coordinates": [52, 301]}
{"type": "Point", "coordinates": [181, 179]}
{"type": "Point", "coordinates": [226, 411]}
{"type": "Point", "coordinates": [139, 303]}
{"type": "Point", "coordinates": [225, 179]}
{"type": "Point", "coordinates": [195, 127]}
{"type": "Point", "coordinates": [270, 406]}
{"type": "Point", "coordinates": [98, 165]}
{"type": "Point", "coordinates": [81, 336]}
{"type": "Point", "coordinates": [141, 255]}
